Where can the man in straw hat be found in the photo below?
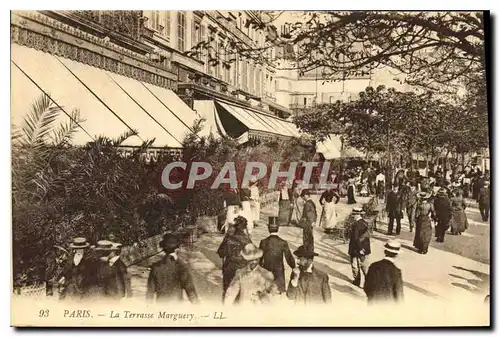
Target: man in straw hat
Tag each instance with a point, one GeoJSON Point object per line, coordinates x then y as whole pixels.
{"type": "Point", "coordinates": [274, 250]}
{"type": "Point", "coordinates": [308, 285]}
{"type": "Point", "coordinates": [359, 245]}
{"type": "Point", "coordinates": [384, 282]}
{"type": "Point", "coordinates": [110, 279]}
{"type": "Point", "coordinates": [251, 284]}
{"type": "Point", "coordinates": [170, 276]}
{"type": "Point", "coordinates": [483, 200]}
{"type": "Point", "coordinates": [79, 273]}
{"type": "Point", "coordinates": [115, 260]}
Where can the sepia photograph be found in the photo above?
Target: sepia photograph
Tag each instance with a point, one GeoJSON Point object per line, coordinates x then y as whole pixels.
{"type": "Point", "coordinates": [250, 168]}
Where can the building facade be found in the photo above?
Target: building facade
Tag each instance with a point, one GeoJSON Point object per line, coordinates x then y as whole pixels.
{"type": "Point", "coordinates": [136, 68]}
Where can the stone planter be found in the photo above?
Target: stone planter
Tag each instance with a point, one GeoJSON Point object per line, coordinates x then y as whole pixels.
{"type": "Point", "coordinates": [208, 224]}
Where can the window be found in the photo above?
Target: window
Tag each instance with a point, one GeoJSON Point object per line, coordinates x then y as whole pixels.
{"type": "Point", "coordinates": [166, 30]}
{"type": "Point", "coordinates": [234, 79]}
{"type": "Point", "coordinates": [257, 82]}
{"type": "Point", "coordinates": [212, 52]}
{"type": "Point", "coordinates": [221, 57]}
{"type": "Point", "coordinates": [305, 101]}
{"type": "Point", "coordinates": [196, 36]}
{"type": "Point", "coordinates": [155, 20]}
{"type": "Point", "coordinates": [181, 31]}
{"type": "Point", "coordinates": [244, 75]}
{"type": "Point", "coordinates": [250, 78]}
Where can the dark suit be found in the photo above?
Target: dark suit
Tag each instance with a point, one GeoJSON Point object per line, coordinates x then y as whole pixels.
{"type": "Point", "coordinates": [275, 248]}
{"type": "Point", "coordinates": [313, 288]}
{"type": "Point", "coordinates": [168, 278]}
{"type": "Point", "coordinates": [229, 250]}
{"type": "Point", "coordinates": [358, 242]}
{"type": "Point", "coordinates": [394, 211]}
{"type": "Point", "coordinates": [483, 199]}
{"type": "Point", "coordinates": [309, 216]}
{"type": "Point", "coordinates": [384, 282]}
{"type": "Point", "coordinates": [111, 280]}
{"type": "Point", "coordinates": [81, 280]}
{"type": "Point", "coordinates": [442, 206]}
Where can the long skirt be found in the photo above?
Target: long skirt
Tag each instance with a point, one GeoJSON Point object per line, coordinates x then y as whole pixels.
{"type": "Point", "coordinates": [423, 233]}
{"type": "Point", "coordinates": [459, 222]}
{"type": "Point", "coordinates": [328, 216]}
{"type": "Point", "coordinates": [308, 237]}
{"type": "Point", "coordinates": [297, 210]}
{"type": "Point", "coordinates": [284, 212]}
{"type": "Point", "coordinates": [231, 213]}
{"type": "Point", "coordinates": [350, 195]}
{"type": "Point", "coordinates": [255, 206]}
{"type": "Point", "coordinates": [246, 212]}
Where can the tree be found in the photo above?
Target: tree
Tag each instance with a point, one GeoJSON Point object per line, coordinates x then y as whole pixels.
{"type": "Point", "coordinates": [402, 123]}
{"type": "Point", "coordinates": [432, 49]}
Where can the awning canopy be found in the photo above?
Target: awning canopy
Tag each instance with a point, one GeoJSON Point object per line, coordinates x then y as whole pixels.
{"type": "Point", "coordinates": [262, 122]}
{"type": "Point", "coordinates": [109, 103]}
{"type": "Point", "coordinates": [331, 148]}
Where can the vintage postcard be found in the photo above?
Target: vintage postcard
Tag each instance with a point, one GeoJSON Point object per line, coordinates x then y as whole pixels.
{"type": "Point", "coordinates": [250, 168]}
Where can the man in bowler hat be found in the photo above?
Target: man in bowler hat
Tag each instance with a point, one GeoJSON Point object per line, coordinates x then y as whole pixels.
{"type": "Point", "coordinates": [275, 249]}
{"type": "Point", "coordinates": [308, 285]}
{"type": "Point", "coordinates": [169, 277]}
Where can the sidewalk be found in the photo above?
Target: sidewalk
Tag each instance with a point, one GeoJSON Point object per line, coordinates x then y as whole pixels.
{"type": "Point", "coordinates": [439, 275]}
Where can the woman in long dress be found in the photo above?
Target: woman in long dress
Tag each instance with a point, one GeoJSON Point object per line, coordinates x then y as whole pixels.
{"type": "Point", "coordinates": [423, 229]}
{"type": "Point", "coordinates": [298, 203]}
{"type": "Point", "coordinates": [254, 200]}
{"type": "Point", "coordinates": [232, 204]}
{"type": "Point", "coordinates": [328, 219]}
{"type": "Point", "coordinates": [246, 207]}
{"type": "Point", "coordinates": [350, 192]}
{"type": "Point", "coordinates": [459, 221]}
{"type": "Point", "coordinates": [285, 205]}
{"type": "Point", "coordinates": [229, 251]}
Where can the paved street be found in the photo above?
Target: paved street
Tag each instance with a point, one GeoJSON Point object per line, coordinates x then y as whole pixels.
{"type": "Point", "coordinates": [459, 268]}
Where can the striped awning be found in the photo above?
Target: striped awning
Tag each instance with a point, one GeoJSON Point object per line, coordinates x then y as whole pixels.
{"type": "Point", "coordinates": [258, 121]}
{"type": "Point", "coordinates": [111, 104]}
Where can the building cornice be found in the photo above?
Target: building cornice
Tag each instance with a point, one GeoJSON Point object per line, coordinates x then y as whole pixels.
{"type": "Point", "coordinates": [35, 30]}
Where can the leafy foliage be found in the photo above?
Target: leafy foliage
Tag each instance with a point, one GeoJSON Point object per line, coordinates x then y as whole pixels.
{"type": "Point", "coordinates": [431, 49]}
{"type": "Point", "coordinates": [402, 123]}
{"type": "Point", "coordinates": [61, 191]}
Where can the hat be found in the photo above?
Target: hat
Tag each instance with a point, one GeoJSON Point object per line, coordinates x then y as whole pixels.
{"type": "Point", "coordinates": [79, 243]}
{"type": "Point", "coordinates": [358, 211]}
{"type": "Point", "coordinates": [423, 195]}
{"type": "Point", "coordinates": [240, 222]}
{"type": "Point", "coordinates": [105, 245]}
{"type": "Point", "coordinates": [486, 182]}
{"type": "Point", "coordinates": [303, 252]}
{"type": "Point", "coordinates": [251, 252]}
{"type": "Point", "coordinates": [442, 191]}
{"type": "Point", "coordinates": [170, 241]}
{"type": "Point", "coordinates": [273, 222]}
{"type": "Point", "coordinates": [393, 246]}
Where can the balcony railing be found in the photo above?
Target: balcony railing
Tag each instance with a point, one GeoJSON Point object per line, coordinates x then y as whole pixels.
{"type": "Point", "coordinates": [128, 23]}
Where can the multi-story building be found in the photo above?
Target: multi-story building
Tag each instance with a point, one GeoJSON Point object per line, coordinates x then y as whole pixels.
{"type": "Point", "coordinates": [136, 70]}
